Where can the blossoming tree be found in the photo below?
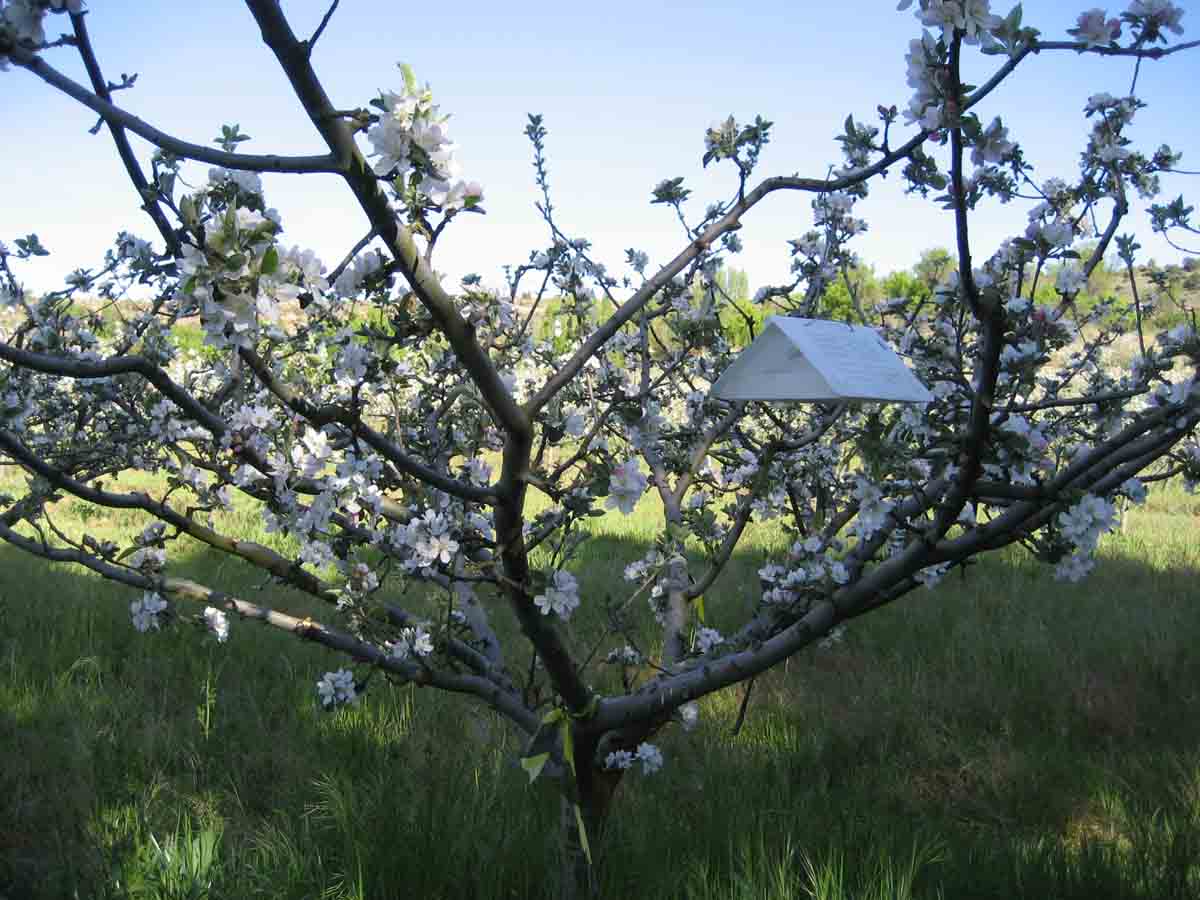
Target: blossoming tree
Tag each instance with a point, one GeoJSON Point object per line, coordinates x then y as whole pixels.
{"type": "Point", "coordinates": [395, 429]}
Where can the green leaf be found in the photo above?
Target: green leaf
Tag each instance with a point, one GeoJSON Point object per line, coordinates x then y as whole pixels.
{"type": "Point", "coordinates": [568, 743]}
{"type": "Point", "coordinates": [31, 246]}
{"type": "Point", "coordinates": [583, 838]}
{"type": "Point", "coordinates": [533, 765]}
{"type": "Point", "coordinates": [410, 78]}
{"type": "Point", "coordinates": [270, 261]}
{"type": "Point", "coordinates": [187, 211]}
{"type": "Point", "coordinates": [230, 137]}
{"type": "Point", "coordinates": [166, 184]}
{"type": "Point", "coordinates": [699, 603]}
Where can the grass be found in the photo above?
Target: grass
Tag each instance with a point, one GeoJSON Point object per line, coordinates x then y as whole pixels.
{"type": "Point", "coordinates": [1001, 735]}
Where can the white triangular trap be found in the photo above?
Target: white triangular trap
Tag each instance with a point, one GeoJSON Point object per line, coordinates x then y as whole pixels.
{"type": "Point", "coordinates": [819, 360]}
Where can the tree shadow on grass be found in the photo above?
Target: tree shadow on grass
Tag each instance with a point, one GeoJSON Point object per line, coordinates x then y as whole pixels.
{"type": "Point", "coordinates": [992, 716]}
{"type": "Point", "coordinates": [1045, 738]}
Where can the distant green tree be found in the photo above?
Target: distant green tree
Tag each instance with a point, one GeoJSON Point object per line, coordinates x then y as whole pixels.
{"type": "Point", "coordinates": [856, 291]}
{"type": "Point", "coordinates": [916, 285]}
{"type": "Point", "coordinates": [934, 265]}
{"type": "Point", "coordinates": [741, 318]}
{"type": "Point", "coordinates": [905, 284]}
{"type": "Point", "coordinates": [1107, 278]}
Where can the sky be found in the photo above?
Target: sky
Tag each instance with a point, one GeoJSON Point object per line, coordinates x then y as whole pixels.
{"type": "Point", "coordinates": [626, 89]}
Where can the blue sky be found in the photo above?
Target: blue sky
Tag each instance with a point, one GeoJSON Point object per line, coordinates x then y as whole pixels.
{"type": "Point", "coordinates": [627, 90]}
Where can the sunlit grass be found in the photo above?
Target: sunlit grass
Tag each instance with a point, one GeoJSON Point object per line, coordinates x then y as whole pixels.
{"type": "Point", "coordinates": [1002, 735]}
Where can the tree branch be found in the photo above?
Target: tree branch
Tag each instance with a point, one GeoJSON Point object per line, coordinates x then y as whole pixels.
{"type": "Point", "coordinates": [148, 194]}
{"type": "Point", "coordinates": [1139, 52]}
{"type": "Point", "coordinates": [1072, 401]}
{"type": "Point", "coordinates": [278, 36]}
{"type": "Point", "coordinates": [256, 554]}
{"type": "Point", "coordinates": [670, 691]}
{"type": "Point", "coordinates": [324, 415]}
{"type": "Point", "coordinates": [509, 704]}
{"type": "Point", "coordinates": [311, 43]}
{"type": "Point", "coordinates": [119, 118]}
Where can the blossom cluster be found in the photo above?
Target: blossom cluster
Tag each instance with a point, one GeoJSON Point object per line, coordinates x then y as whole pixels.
{"type": "Point", "coordinates": [411, 136]}
{"type": "Point", "coordinates": [1081, 526]}
{"type": "Point", "coordinates": [146, 611]}
{"type": "Point", "coordinates": [337, 689]}
{"type": "Point", "coordinates": [22, 21]}
{"type": "Point", "coordinates": [1094, 30]}
{"type": "Point", "coordinates": [561, 597]}
{"type": "Point", "coordinates": [972, 18]}
{"type": "Point", "coordinates": [627, 486]}
{"type": "Point", "coordinates": [413, 641]}
{"type": "Point", "coordinates": [647, 755]}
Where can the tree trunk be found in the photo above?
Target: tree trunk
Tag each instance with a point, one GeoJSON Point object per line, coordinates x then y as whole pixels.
{"type": "Point", "coordinates": [579, 877]}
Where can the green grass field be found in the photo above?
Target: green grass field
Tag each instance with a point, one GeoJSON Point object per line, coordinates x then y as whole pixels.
{"type": "Point", "coordinates": [1000, 736]}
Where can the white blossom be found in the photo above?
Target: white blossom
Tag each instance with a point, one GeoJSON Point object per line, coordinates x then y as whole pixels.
{"type": "Point", "coordinates": [931, 575]}
{"type": "Point", "coordinates": [707, 638]}
{"type": "Point", "coordinates": [337, 688]}
{"type": "Point", "coordinates": [626, 656]}
{"type": "Point", "coordinates": [1070, 281]}
{"type": "Point", "coordinates": [145, 612]}
{"type": "Point", "coordinates": [626, 486]}
{"type": "Point", "coordinates": [217, 622]}
{"type": "Point", "coordinates": [993, 144]}
{"type": "Point", "coordinates": [1074, 567]}
{"type": "Point", "coordinates": [972, 17]}
{"type": "Point", "coordinates": [1094, 30]}
{"type": "Point", "coordinates": [413, 641]}
{"type": "Point", "coordinates": [618, 759]}
{"type": "Point", "coordinates": [1135, 490]}
{"type": "Point", "coordinates": [1163, 13]}
{"type": "Point", "coordinates": [561, 597]}
{"type": "Point", "coordinates": [363, 266]}
{"type": "Point", "coordinates": [411, 134]}
{"type": "Point", "coordinates": [147, 559]}
{"type": "Point", "coordinates": [650, 757]}
{"type": "Point", "coordinates": [25, 17]}
{"type": "Point", "coordinates": [249, 182]}
{"type": "Point", "coordinates": [836, 635]}
{"type": "Point", "coordinates": [1081, 526]}
{"type": "Point", "coordinates": [873, 509]}
{"type": "Point", "coordinates": [689, 715]}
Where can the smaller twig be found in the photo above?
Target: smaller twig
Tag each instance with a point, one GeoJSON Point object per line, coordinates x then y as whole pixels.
{"type": "Point", "coordinates": [311, 43]}
{"type": "Point", "coordinates": [1071, 401]}
{"type": "Point", "coordinates": [1137, 309]}
{"type": "Point", "coordinates": [741, 716]}
{"type": "Point", "coordinates": [349, 257]}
